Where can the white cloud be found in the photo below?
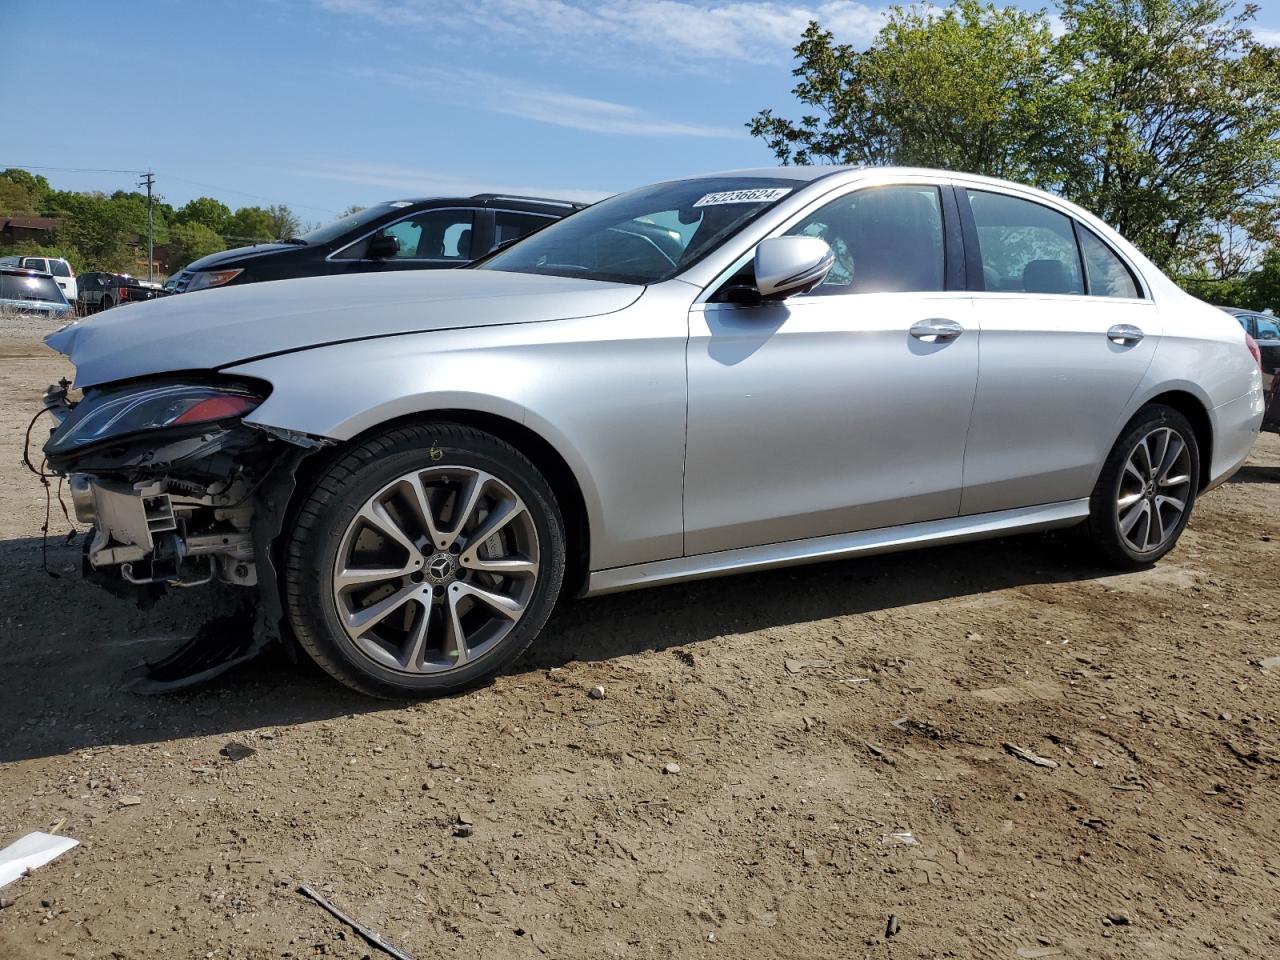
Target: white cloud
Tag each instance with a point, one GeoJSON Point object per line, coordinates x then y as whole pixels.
{"type": "Point", "coordinates": [1270, 37]}
{"type": "Point", "coordinates": [513, 98]}
{"type": "Point", "coordinates": [416, 181]}
{"type": "Point", "coordinates": [658, 31]}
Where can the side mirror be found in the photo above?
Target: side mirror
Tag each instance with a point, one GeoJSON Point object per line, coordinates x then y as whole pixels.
{"type": "Point", "coordinates": [786, 266]}
{"type": "Point", "coordinates": [383, 247]}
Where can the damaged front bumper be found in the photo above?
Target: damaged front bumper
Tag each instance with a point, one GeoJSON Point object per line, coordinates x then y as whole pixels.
{"type": "Point", "coordinates": [167, 530]}
{"type": "Point", "coordinates": [178, 506]}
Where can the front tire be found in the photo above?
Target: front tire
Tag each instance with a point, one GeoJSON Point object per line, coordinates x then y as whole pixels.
{"type": "Point", "coordinates": [423, 561]}
{"type": "Point", "coordinates": [1148, 485]}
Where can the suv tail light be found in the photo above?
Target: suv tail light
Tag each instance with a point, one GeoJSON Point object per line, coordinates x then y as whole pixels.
{"type": "Point", "coordinates": [124, 293]}
{"type": "Point", "coordinates": [1254, 349]}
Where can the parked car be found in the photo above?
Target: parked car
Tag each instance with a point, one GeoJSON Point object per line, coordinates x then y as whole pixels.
{"type": "Point", "coordinates": [31, 291]}
{"type": "Point", "coordinates": [398, 235]}
{"type": "Point", "coordinates": [1265, 331]}
{"type": "Point", "coordinates": [62, 272]}
{"type": "Point", "coordinates": [705, 376]}
{"type": "Point", "coordinates": [101, 290]}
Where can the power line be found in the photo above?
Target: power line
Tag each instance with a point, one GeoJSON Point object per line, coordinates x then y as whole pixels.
{"type": "Point", "coordinates": [32, 166]}
{"type": "Point", "coordinates": [252, 196]}
{"type": "Point", "coordinates": [194, 183]}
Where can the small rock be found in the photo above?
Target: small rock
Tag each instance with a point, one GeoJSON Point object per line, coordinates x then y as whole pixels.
{"type": "Point", "coordinates": [1118, 919]}
{"type": "Point", "coordinates": [1270, 663]}
{"type": "Point", "coordinates": [463, 830]}
{"type": "Point", "coordinates": [596, 692]}
{"type": "Point", "coordinates": [465, 819]}
{"type": "Point", "coordinates": [1224, 715]}
{"type": "Point", "coordinates": [1019, 796]}
{"type": "Point", "coordinates": [671, 768]}
{"type": "Point", "coordinates": [6, 902]}
{"type": "Point", "coordinates": [892, 927]}
{"type": "Point", "coordinates": [130, 800]}
{"type": "Point", "coordinates": [237, 751]}
{"type": "Point", "coordinates": [47, 904]}
{"type": "Point", "coordinates": [435, 764]}
{"type": "Point", "coordinates": [711, 938]}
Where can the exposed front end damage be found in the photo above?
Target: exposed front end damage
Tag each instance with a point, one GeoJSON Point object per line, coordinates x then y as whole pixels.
{"type": "Point", "coordinates": [197, 499]}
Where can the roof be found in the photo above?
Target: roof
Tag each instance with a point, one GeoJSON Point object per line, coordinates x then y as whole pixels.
{"type": "Point", "coordinates": [24, 272]}
{"type": "Point", "coordinates": [29, 223]}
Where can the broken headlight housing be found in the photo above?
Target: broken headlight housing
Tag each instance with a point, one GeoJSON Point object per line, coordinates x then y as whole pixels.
{"type": "Point", "coordinates": [113, 414]}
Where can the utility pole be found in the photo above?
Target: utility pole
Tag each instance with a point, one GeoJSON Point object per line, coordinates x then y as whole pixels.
{"type": "Point", "coordinates": [149, 181]}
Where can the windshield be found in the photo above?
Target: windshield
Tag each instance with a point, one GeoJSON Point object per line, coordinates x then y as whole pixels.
{"type": "Point", "coordinates": [352, 221]}
{"type": "Point", "coordinates": [645, 236]}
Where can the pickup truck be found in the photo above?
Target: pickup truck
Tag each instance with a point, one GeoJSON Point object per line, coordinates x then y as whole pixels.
{"type": "Point", "coordinates": [102, 291]}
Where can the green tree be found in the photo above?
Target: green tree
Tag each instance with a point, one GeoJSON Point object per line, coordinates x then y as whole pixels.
{"type": "Point", "coordinates": [1185, 128]}
{"type": "Point", "coordinates": [973, 87]}
{"type": "Point", "coordinates": [1162, 116]}
{"type": "Point", "coordinates": [249, 225]}
{"type": "Point", "coordinates": [205, 210]}
{"type": "Point", "coordinates": [284, 222]}
{"type": "Point", "coordinates": [196, 240]}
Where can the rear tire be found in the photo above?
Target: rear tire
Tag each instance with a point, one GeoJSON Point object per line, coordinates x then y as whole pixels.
{"type": "Point", "coordinates": [423, 561]}
{"type": "Point", "coordinates": [1144, 495]}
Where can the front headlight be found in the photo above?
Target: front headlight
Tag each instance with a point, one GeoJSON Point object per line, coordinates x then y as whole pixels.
{"type": "Point", "coordinates": [206, 279]}
{"type": "Point", "coordinates": [110, 415]}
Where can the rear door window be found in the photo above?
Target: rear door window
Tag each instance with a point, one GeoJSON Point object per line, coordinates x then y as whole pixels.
{"type": "Point", "coordinates": [59, 268]}
{"type": "Point", "coordinates": [1025, 246]}
{"type": "Point", "coordinates": [36, 263]}
{"type": "Point", "coordinates": [509, 225]}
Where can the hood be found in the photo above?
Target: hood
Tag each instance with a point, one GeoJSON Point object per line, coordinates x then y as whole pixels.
{"type": "Point", "coordinates": [216, 328]}
{"type": "Point", "coordinates": [228, 257]}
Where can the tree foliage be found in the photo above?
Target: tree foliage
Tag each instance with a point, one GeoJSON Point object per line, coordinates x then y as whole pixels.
{"type": "Point", "coordinates": [206, 211]}
{"type": "Point", "coordinates": [196, 240]}
{"type": "Point", "coordinates": [1162, 116]}
{"type": "Point", "coordinates": [97, 231]}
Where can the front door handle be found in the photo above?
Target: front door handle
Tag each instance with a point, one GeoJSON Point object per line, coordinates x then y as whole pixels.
{"type": "Point", "coordinates": [936, 330]}
{"type": "Point", "coordinates": [1125, 334]}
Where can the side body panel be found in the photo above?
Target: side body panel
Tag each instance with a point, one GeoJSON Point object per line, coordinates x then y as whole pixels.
{"type": "Point", "coordinates": [1053, 394]}
{"type": "Point", "coordinates": [607, 392]}
{"type": "Point", "coordinates": [1203, 353]}
{"type": "Point", "coordinates": [823, 415]}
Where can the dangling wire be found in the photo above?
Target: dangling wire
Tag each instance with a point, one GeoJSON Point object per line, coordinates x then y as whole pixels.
{"type": "Point", "coordinates": [48, 498]}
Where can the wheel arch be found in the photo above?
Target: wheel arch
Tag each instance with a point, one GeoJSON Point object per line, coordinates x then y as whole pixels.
{"type": "Point", "coordinates": [1197, 413]}
{"type": "Point", "coordinates": [564, 482]}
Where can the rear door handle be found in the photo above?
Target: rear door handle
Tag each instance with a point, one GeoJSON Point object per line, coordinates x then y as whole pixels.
{"type": "Point", "coordinates": [1125, 334]}
{"type": "Point", "coordinates": [936, 330]}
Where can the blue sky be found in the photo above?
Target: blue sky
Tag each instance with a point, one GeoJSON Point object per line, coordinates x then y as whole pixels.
{"type": "Point", "coordinates": [324, 103]}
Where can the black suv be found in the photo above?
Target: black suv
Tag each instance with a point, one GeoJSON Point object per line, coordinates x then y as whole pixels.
{"type": "Point", "coordinates": [397, 235]}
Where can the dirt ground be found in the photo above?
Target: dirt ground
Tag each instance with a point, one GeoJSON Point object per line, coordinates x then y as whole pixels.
{"type": "Point", "coordinates": [839, 732]}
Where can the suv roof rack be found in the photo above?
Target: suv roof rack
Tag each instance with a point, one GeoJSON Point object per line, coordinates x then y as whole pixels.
{"type": "Point", "coordinates": [571, 204]}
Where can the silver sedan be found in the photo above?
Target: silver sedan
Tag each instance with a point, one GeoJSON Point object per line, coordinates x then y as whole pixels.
{"type": "Point", "coordinates": [710, 375]}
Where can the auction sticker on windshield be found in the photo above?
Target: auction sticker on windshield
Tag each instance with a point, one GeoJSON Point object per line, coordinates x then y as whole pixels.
{"type": "Point", "coordinates": [758, 195]}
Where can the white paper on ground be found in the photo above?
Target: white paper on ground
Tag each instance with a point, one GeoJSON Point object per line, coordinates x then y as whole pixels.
{"type": "Point", "coordinates": [33, 850]}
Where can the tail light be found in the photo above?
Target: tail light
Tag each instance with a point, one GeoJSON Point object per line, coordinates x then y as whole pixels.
{"type": "Point", "coordinates": [124, 293]}
{"type": "Point", "coordinates": [1252, 344]}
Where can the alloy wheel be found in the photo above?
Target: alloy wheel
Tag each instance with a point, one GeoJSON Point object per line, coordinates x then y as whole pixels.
{"type": "Point", "coordinates": [435, 569]}
{"type": "Point", "coordinates": [1155, 488]}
